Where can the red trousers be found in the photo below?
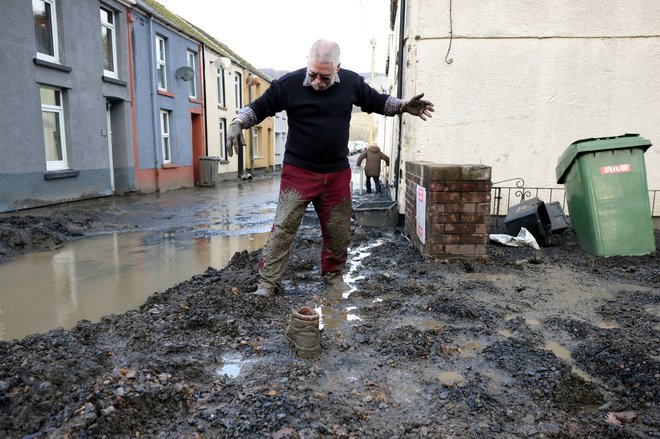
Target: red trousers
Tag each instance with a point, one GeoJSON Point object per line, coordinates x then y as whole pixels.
{"type": "Point", "coordinates": [331, 196]}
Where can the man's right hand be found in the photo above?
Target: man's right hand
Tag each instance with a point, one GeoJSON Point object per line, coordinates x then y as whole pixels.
{"type": "Point", "coordinates": [234, 138]}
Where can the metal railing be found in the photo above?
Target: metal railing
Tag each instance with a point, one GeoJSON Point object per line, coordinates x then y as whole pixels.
{"type": "Point", "coordinates": [503, 197]}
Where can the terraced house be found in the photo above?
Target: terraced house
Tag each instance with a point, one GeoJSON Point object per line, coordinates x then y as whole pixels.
{"type": "Point", "coordinates": [106, 97]}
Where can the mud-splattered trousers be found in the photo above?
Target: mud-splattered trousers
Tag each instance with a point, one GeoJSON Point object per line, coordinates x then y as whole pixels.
{"type": "Point", "coordinates": [330, 194]}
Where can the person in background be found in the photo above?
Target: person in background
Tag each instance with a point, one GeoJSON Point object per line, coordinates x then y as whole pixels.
{"type": "Point", "coordinates": [318, 100]}
{"type": "Point", "coordinates": [373, 155]}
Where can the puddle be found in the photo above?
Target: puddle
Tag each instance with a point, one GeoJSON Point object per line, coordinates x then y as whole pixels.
{"type": "Point", "coordinates": [564, 354]}
{"type": "Point", "coordinates": [608, 325]}
{"type": "Point", "coordinates": [449, 378]}
{"type": "Point", "coordinates": [558, 350]}
{"type": "Point", "coordinates": [349, 316]}
{"type": "Point", "coordinates": [496, 377]}
{"type": "Point", "coordinates": [332, 317]}
{"type": "Point", "coordinates": [232, 364]}
{"type": "Point", "coordinates": [602, 294]}
{"type": "Point", "coordinates": [101, 275]}
{"type": "Point", "coordinates": [582, 374]}
{"type": "Point", "coordinates": [333, 312]}
{"type": "Point", "coordinates": [470, 349]}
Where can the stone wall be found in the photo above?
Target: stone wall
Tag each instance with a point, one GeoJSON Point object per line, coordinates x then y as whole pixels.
{"type": "Point", "coordinates": [455, 221]}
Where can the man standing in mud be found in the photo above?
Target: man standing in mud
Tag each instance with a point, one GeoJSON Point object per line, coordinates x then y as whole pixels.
{"type": "Point", "coordinates": [318, 100]}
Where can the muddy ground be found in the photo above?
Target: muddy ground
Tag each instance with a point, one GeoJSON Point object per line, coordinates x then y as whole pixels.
{"type": "Point", "coordinates": [523, 343]}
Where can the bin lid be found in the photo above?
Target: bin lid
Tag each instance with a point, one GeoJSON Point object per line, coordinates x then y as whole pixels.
{"type": "Point", "coordinates": [596, 144]}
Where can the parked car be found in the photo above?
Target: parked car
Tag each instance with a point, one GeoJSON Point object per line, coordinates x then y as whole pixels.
{"type": "Point", "coordinates": [356, 146]}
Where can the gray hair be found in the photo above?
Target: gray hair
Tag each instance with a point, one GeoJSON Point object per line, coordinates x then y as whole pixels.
{"type": "Point", "coordinates": [325, 52]}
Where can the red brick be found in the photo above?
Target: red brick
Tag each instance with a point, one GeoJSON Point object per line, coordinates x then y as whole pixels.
{"type": "Point", "coordinates": [476, 186]}
{"type": "Point", "coordinates": [435, 197]}
{"type": "Point", "coordinates": [475, 239]}
{"type": "Point", "coordinates": [460, 228]}
{"type": "Point", "coordinates": [437, 207]}
{"type": "Point", "coordinates": [460, 207]}
{"type": "Point", "coordinates": [436, 186]}
{"type": "Point", "coordinates": [435, 250]}
{"type": "Point", "coordinates": [452, 239]}
{"type": "Point", "coordinates": [476, 197]}
{"type": "Point", "coordinates": [482, 208]}
{"type": "Point", "coordinates": [461, 249]}
{"type": "Point", "coordinates": [478, 218]}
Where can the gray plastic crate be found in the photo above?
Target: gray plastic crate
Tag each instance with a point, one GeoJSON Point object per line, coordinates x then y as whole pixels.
{"type": "Point", "coordinates": [377, 214]}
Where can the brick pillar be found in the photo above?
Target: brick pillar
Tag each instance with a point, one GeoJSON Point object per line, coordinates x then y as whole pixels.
{"type": "Point", "coordinates": [457, 208]}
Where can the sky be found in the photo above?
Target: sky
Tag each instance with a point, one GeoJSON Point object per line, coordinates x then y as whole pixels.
{"type": "Point", "coordinates": [278, 33]}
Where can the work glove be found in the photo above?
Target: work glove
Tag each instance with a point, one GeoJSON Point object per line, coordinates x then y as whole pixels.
{"type": "Point", "coordinates": [235, 138]}
{"type": "Point", "coordinates": [418, 107]}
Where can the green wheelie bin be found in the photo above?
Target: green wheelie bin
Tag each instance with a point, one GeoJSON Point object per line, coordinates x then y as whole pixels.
{"type": "Point", "coordinates": [607, 195]}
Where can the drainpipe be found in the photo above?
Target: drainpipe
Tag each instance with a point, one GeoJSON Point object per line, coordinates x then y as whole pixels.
{"type": "Point", "coordinates": [399, 94]}
{"type": "Point", "coordinates": [133, 182]}
{"type": "Point", "coordinates": [250, 136]}
{"type": "Point", "coordinates": [203, 86]}
{"type": "Point", "coordinates": [154, 111]}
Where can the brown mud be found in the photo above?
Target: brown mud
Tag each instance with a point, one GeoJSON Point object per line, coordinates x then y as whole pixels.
{"type": "Point", "coordinates": [522, 343]}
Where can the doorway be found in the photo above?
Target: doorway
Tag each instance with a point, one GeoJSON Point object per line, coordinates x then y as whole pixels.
{"type": "Point", "coordinates": [197, 138]}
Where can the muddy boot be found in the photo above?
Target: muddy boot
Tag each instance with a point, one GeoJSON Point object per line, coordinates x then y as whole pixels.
{"type": "Point", "coordinates": [266, 290]}
{"type": "Point", "coordinates": [334, 282]}
{"type": "Point", "coordinates": [303, 332]}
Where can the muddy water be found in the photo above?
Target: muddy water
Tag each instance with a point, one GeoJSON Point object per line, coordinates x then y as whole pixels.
{"type": "Point", "coordinates": [112, 273]}
{"type": "Point", "coordinates": [103, 275]}
{"type": "Point", "coordinates": [335, 309]}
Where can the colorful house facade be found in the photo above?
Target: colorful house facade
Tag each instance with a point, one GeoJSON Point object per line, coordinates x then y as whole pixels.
{"type": "Point", "coordinates": [66, 102]}
{"type": "Point", "coordinates": [116, 96]}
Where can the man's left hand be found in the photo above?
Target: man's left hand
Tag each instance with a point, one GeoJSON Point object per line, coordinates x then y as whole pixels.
{"type": "Point", "coordinates": [418, 107]}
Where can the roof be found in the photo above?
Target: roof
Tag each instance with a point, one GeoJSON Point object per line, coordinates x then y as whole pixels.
{"type": "Point", "coordinates": [199, 35]}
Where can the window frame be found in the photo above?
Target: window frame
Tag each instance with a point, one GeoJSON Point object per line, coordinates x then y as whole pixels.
{"type": "Point", "coordinates": [54, 36]}
{"type": "Point", "coordinates": [220, 82]}
{"type": "Point", "coordinates": [223, 138]}
{"type": "Point", "coordinates": [58, 110]}
{"type": "Point", "coordinates": [191, 59]}
{"type": "Point", "coordinates": [110, 29]}
{"type": "Point", "coordinates": [254, 133]}
{"type": "Point", "coordinates": [165, 136]}
{"type": "Point", "coordinates": [238, 90]}
{"type": "Point", "coordinates": [161, 62]}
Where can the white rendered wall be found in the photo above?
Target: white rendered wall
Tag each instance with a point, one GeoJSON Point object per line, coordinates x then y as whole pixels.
{"type": "Point", "coordinates": [528, 78]}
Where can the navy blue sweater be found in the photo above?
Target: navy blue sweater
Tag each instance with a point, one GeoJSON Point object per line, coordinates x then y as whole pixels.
{"type": "Point", "coordinates": [319, 121]}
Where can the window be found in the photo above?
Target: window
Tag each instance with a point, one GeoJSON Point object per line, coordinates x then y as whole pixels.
{"type": "Point", "coordinates": [108, 43]}
{"type": "Point", "coordinates": [52, 114]}
{"type": "Point", "coordinates": [254, 132]}
{"type": "Point", "coordinates": [192, 85]}
{"type": "Point", "coordinates": [45, 29]}
{"type": "Point", "coordinates": [223, 139]}
{"type": "Point", "coordinates": [161, 63]}
{"type": "Point", "coordinates": [237, 91]}
{"type": "Point", "coordinates": [165, 136]}
{"type": "Point", "coordinates": [220, 78]}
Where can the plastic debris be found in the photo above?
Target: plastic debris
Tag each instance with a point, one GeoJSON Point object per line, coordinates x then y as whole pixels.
{"type": "Point", "coordinates": [524, 239]}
